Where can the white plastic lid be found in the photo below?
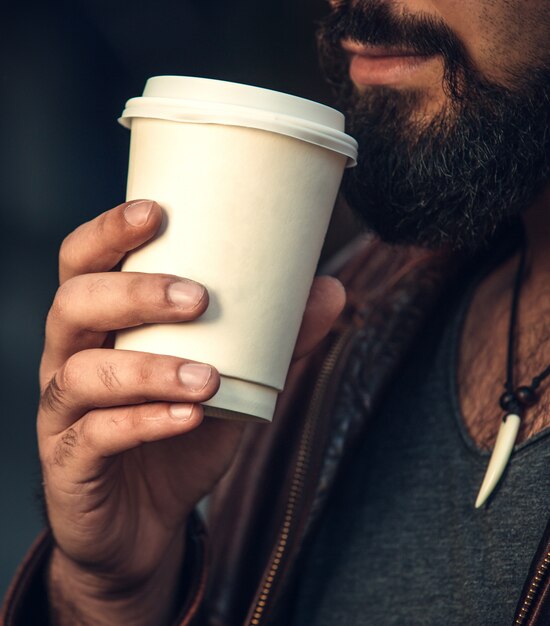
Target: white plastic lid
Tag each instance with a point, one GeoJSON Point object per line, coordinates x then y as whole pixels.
{"type": "Point", "coordinates": [208, 101]}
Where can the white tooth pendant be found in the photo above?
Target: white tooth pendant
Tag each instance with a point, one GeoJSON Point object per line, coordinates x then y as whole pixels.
{"type": "Point", "coordinates": [504, 445]}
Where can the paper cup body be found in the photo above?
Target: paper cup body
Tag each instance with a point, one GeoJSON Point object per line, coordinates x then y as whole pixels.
{"type": "Point", "coordinates": [246, 213]}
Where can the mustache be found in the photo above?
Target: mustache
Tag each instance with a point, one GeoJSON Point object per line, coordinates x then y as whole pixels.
{"type": "Point", "coordinates": [372, 22]}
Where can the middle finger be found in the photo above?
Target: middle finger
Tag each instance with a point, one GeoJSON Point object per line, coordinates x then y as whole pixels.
{"type": "Point", "coordinates": [87, 307]}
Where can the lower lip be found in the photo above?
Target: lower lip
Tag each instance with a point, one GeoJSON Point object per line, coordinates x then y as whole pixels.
{"type": "Point", "coordinates": [372, 70]}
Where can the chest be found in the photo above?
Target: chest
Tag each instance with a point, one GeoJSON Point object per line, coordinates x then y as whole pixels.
{"type": "Point", "coordinates": [401, 541]}
{"type": "Point", "coordinates": [483, 353]}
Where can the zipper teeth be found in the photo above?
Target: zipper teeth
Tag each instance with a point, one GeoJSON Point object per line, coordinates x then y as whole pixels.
{"type": "Point", "coordinates": [533, 590]}
{"type": "Point", "coordinates": [298, 478]}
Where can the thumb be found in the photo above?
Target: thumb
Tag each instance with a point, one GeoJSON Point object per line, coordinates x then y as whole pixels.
{"type": "Point", "coordinates": [326, 301]}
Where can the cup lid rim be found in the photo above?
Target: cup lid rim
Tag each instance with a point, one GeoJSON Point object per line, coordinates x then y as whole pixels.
{"type": "Point", "coordinates": [210, 101]}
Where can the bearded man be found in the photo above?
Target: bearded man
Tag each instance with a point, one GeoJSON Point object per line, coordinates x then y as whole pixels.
{"type": "Point", "coordinates": [361, 504]}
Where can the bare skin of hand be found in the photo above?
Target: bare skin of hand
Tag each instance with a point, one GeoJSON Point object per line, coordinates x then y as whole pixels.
{"type": "Point", "coordinates": [125, 451]}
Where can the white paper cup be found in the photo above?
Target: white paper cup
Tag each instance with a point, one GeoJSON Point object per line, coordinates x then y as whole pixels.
{"type": "Point", "coordinates": [247, 178]}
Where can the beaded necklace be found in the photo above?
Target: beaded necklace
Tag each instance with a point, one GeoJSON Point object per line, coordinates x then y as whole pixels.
{"type": "Point", "coordinates": [514, 401]}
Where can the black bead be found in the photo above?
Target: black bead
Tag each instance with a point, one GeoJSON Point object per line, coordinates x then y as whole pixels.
{"type": "Point", "coordinates": [526, 396]}
{"type": "Point", "coordinates": [508, 402]}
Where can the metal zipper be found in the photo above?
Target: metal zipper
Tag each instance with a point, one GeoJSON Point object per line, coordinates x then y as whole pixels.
{"type": "Point", "coordinates": [300, 472]}
{"type": "Point", "coordinates": [536, 583]}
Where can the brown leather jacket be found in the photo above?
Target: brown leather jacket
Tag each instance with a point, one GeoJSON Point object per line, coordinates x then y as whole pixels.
{"type": "Point", "coordinates": [262, 513]}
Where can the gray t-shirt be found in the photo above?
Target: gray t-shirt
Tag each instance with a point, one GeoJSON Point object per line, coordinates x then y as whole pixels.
{"type": "Point", "coordinates": [401, 542]}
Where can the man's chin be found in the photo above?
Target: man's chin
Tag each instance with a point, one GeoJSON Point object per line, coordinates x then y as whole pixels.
{"type": "Point", "coordinates": [452, 178]}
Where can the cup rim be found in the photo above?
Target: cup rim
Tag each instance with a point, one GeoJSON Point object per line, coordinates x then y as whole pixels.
{"type": "Point", "coordinates": [246, 106]}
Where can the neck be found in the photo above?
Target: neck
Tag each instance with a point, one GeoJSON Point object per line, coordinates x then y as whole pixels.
{"type": "Point", "coordinates": [536, 221]}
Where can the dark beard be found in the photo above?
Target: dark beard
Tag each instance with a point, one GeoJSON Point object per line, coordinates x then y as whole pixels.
{"type": "Point", "coordinates": [455, 179]}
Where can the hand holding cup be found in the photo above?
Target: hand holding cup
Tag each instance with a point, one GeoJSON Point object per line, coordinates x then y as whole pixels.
{"type": "Point", "coordinates": [124, 449]}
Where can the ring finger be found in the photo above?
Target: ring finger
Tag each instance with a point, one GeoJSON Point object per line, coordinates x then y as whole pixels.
{"type": "Point", "coordinates": [94, 379]}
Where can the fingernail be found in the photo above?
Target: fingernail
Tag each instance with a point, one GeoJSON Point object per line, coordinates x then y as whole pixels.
{"type": "Point", "coordinates": [137, 213]}
{"type": "Point", "coordinates": [181, 411]}
{"type": "Point", "coordinates": [195, 376]}
{"type": "Point", "coordinates": [185, 293]}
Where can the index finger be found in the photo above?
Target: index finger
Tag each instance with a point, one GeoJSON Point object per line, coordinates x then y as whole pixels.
{"type": "Point", "coordinates": [100, 244]}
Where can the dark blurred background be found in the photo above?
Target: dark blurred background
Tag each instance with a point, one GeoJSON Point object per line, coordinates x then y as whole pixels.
{"type": "Point", "coordinates": [67, 69]}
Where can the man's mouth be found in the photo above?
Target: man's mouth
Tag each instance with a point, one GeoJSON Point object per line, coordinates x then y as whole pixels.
{"type": "Point", "coordinates": [382, 65]}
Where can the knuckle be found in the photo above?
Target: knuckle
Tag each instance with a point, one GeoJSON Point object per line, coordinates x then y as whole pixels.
{"type": "Point", "coordinates": [53, 398]}
{"type": "Point", "coordinates": [101, 224]}
{"type": "Point", "coordinates": [146, 370]}
{"type": "Point", "coordinates": [149, 291]}
{"type": "Point", "coordinates": [133, 420]}
{"type": "Point", "coordinates": [71, 251]}
{"type": "Point", "coordinates": [69, 374]}
{"type": "Point", "coordinates": [60, 302]}
{"type": "Point", "coordinates": [66, 295]}
{"type": "Point", "coordinates": [56, 394]}
{"type": "Point", "coordinates": [136, 288]}
{"type": "Point", "coordinates": [122, 417]}
{"type": "Point", "coordinates": [98, 284]}
{"type": "Point", "coordinates": [108, 376]}
{"type": "Point", "coordinates": [65, 250]}
{"type": "Point", "coordinates": [65, 447]}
